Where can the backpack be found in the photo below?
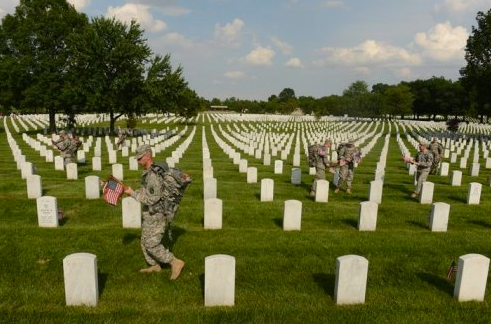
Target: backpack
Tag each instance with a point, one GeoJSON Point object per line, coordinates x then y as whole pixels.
{"type": "Point", "coordinates": [312, 155]}
{"type": "Point", "coordinates": [176, 188]}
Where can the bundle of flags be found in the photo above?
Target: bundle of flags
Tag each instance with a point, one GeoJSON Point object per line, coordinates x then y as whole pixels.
{"type": "Point", "coordinates": [451, 270]}
{"type": "Point", "coordinates": [112, 190]}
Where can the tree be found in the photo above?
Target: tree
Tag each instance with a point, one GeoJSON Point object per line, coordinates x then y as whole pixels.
{"type": "Point", "coordinates": [476, 75]}
{"type": "Point", "coordinates": [111, 57]}
{"type": "Point", "coordinates": [164, 87]}
{"type": "Point", "coordinates": [398, 100]}
{"type": "Point", "coordinates": [286, 94]}
{"type": "Point", "coordinates": [189, 103]}
{"type": "Point", "coordinates": [34, 63]}
{"type": "Point", "coordinates": [356, 98]}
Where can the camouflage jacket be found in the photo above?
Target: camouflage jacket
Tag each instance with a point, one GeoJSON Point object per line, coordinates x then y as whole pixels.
{"type": "Point", "coordinates": [63, 145]}
{"type": "Point", "coordinates": [158, 193]}
{"type": "Point", "coordinates": [424, 159]}
{"type": "Point", "coordinates": [436, 148]}
{"type": "Point", "coordinates": [349, 153]}
{"type": "Point", "coordinates": [321, 156]}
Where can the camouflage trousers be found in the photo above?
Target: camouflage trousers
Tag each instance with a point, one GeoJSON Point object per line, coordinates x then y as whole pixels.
{"type": "Point", "coordinates": [66, 160]}
{"type": "Point", "coordinates": [153, 229]}
{"type": "Point", "coordinates": [319, 175]}
{"type": "Point", "coordinates": [346, 174]}
{"type": "Point", "coordinates": [421, 176]}
{"type": "Point", "coordinates": [435, 166]}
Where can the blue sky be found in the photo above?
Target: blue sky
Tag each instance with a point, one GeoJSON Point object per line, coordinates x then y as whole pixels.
{"type": "Point", "coordinates": [251, 49]}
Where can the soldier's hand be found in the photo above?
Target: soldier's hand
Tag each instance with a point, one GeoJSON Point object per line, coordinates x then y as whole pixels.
{"type": "Point", "coordinates": [128, 190]}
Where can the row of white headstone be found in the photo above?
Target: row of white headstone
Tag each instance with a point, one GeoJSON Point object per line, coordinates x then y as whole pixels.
{"type": "Point", "coordinates": [81, 283]}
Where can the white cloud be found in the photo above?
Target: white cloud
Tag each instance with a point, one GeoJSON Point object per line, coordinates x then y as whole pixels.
{"type": "Point", "coordinates": [178, 39]}
{"type": "Point", "coordinates": [284, 47]}
{"type": "Point", "coordinates": [234, 74]}
{"type": "Point", "coordinates": [443, 42]}
{"type": "Point", "coordinates": [458, 6]}
{"type": "Point", "coordinates": [261, 56]}
{"type": "Point", "coordinates": [229, 33]}
{"type": "Point", "coordinates": [333, 4]}
{"type": "Point", "coordinates": [138, 12]}
{"type": "Point", "coordinates": [369, 52]}
{"type": "Point", "coordinates": [362, 70]}
{"type": "Point", "coordinates": [80, 4]}
{"type": "Point", "coordinates": [7, 7]}
{"type": "Point", "coordinates": [404, 72]}
{"type": "Point", "coordinates": [294, 63]}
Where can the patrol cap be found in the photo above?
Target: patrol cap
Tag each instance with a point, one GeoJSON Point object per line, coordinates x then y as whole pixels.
{"type": "Point", "coordinates": [351, 141]}
{"type": "Point", "coordinates": [142, 150]}
{"type": "Point", "coordinates": [423, 143]}
{"type": "Point", "coordinates": [62, 132]}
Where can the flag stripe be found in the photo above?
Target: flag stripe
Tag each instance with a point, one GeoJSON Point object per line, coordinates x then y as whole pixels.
{"type": "Point", "coordinates": [112, 191]}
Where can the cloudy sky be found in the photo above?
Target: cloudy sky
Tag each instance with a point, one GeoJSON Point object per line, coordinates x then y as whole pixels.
{"type": "Point", "coordinates": [251, 49]}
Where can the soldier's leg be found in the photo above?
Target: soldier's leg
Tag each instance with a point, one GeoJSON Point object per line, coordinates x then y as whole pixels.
{"type": "Point", "coordinates": [343, 172]}
{"type": "Point", "coordinates": [419, 185]}
{"type": "Point", "coordinates": [349, 179]}
{"type": "Point", "coordinates": [153, 228]}
{"type": "Point", "coordinates": [319, 175]}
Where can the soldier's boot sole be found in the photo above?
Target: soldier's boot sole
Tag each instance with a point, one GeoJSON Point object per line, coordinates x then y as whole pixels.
{"type": "Point", "coordinates": [154, 268]}
{"type": "Point", "coordinates": [177, 266]}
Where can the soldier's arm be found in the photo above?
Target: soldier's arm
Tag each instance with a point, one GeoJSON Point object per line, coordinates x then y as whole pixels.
{"type": "Point", "coordinates": [152, 193]}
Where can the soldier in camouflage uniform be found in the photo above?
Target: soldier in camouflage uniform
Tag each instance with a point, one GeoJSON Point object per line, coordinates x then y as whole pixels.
{"type": "Point", "coordinates": [423, 161]}
{"type": "Point", "coordinates": [320, 152]}
{"type": "Point", "coordinates": [63, 144]}
{"type": "Point", "coordinates": [158, 209]}
{"type": "Point", "coordinates": [348, 155]}
{"type": "Point", "coordinates": [437, 150]}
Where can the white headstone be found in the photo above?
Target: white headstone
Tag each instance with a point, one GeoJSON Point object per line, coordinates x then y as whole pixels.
{"type": "Point", "coordinates": [474, 193]}
{"type": "Point", "coordinates": [474, 170]}
{"type": "Point", "coordinates": [113, 158]}
{"type": "Point", "coordinates": [351, 280]}
{"type": "Point", "coordinates": [80, 275]}
{"type": "Point", "coordinates": [72, 171]}
{"type": "Point", "coordinates": [27, 169]}
{"type": "Point", "coordinates": [471, 279]}
{"type": "Point", "coordinates": [322, 191]}
{"type": "Point", "coordinates": [375, 194]}
{"type": "Point", "coordinates": [463, 162]}
{"type": "Point", "coordinates": [219, 280]}
{"type": "Point", "coordinates": [80, 156]}
{"type": "Point", "coordinates": [47, 210]}
{"type": "Point", "coordinates": [92, 187]}
{"type": "Point", "coordinates": [444, 168]}
{"type": "Point", "coordinates": [456, 178]}
{"type": "Point", "coordinates": [267, 189]}
{"type": "Point", "coordinates": [34, 186]}
{"type": "Point", "coordinates": [278, 167]}
{"type": "Point", "coordinates": [367, 220]}
{"type": "Point", "coordinates": [243, 166]}
{"type": "Point", "coordinates": [209, 188]}
{"type": "Point", "coordinates": [133, 163]}
{"type": "Point", "coordinates": [213, 213]}
{"type": "Point", "coordinates": [292, 216]}
{"type": "Point", "coordinates": [251, 175]}
{"type": "Point", "coordinates": [131, 213]}
{"type": "Point", "coordinates": [426, 196]}
{"type": "Point", "coordinates": [439, 216]}
{"type": "Point", "coordinates": [117, 170]}
{"type": "Point", "coordinates": [96, 163]}
{"type": "Point", "coordinates": [59, 163]}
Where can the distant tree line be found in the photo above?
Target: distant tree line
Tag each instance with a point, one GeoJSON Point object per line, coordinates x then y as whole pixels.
{"type": "Point", "coordinates": [54, 60]}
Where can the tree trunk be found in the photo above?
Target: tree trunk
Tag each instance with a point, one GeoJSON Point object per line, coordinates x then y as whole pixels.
{"type": "Point", "coordinates": [52, 120]}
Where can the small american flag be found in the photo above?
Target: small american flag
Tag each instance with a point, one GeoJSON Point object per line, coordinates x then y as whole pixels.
{"type": "Point", "coordinates": [451, 270]}
{"type": "Point", "coordinates": [113, 189]}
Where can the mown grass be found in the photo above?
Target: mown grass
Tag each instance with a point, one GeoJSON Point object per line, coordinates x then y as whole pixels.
{"type": "Point", "coordinates": [281, 277]}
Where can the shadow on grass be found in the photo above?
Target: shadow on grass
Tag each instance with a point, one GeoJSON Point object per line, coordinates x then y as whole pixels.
{"type": "Point", "coordinates": [102, 279]}
{"type": "Point", "coordinates": [129, 238]}
{"type": "Point", "coordinates": [437, 281]}
{"type": "Point", "coordinates": [418, 224]}
{"type": "Point", "coordinates": [202, 284]}
{"type": "Point", "coordinates": [176, 233]}
{"type": "Point", "coordinates": [63, 221]}
{"type": "Point", "coordinates": [457, 198]}
{"type": "Point", "coordinates": [326, 282]}
{"type": "Point", "coordinates": [480, 223]}
{"type": "Point", "coordinates": [351, 222]}
{"type": "Point", "coordinates": [278, 222]}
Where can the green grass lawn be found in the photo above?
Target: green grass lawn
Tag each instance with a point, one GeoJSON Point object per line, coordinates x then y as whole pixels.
{"type": "Point", "coordinates": [281, 277]}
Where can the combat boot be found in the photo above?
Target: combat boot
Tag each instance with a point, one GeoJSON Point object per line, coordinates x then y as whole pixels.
{"type": "Point", "coordinates": [154, 268]}
{"type": "Point", "coordinates": [337, 190]}
{"type": "Point", "coordinates": [348, 191]}
{"type": "Point", "coordinates": [312, 193]}
{"type": "Point", "coordinates": [177, 266]}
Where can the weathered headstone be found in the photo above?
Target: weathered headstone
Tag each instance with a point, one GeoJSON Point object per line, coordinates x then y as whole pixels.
{"type": "Point", "coordinates": [251, 175]}
{"type": "Point", "coordinates": [456, 178]}
{"type": "Point", "coordinates": [59, 163]}
{"type": "Point", "coordinates": [292, 217]}
{"type": "Point", "coordinates": [444, 169]}
{"type": "Point", "coordinates": [351, 280]}
{"type": "Point", "coordinates": [471, 279]}
{"type": "Point", "coordinates": [278, 167]}
{"type": "Point", "coordinates": [72, 171]}
{"type": "Point", "coordinates": [219, 280]}
{"type": "Point", "coordinates": [322, 191]}
{"type": "Point", "coordinates": [474, 170]}
{"type": "Point", "coordinates": [80, 278]}
{"type": "Point", "coordinates": [296, 177]}
{"type": "Point", "coordinates": [92, 187]}
{"type": "Point", "coordinates": [474, 193]}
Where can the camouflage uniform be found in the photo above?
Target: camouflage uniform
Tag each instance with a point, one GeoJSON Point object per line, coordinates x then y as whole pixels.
{"type": "Point", "coordinates": [437, 150]}
{"type": "Point", "coordinates": [348, 153]}
{"type": "Point", "coordinates": [158, 210]}
{"type": "Point", "coordinates": [63, 145]}
{"type": "Point", "coordinates": [425, 161]}
{"type": "Point", "coordinates": [321, 161]}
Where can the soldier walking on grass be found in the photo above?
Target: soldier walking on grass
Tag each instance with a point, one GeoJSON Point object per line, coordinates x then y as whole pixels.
{"type": "Point", "coordinates": [437, 150]}
{"type": "Point", "coordinates": [158, 209]}
{"type": "Point", "coordinates": [348, 155]}
{"type": "Point", "coordinates": [423, 162]}
{"type": "Point", "coordinates": [64, 145]}
{"type": "Point", "coordinates": [318, 158]}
